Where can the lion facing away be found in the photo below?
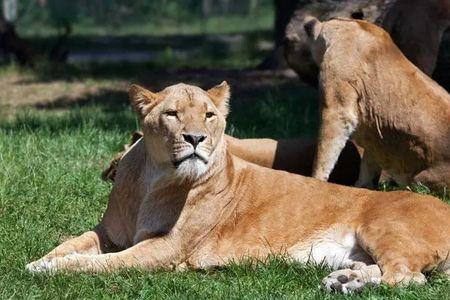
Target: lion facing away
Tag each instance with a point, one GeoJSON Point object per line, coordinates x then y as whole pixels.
{"type": "Point", "coordinates": [416, 27]}
{"type": "Point", "coordinates": [370, 91]}
{"type": "Point", "coordinates": [191, 203]}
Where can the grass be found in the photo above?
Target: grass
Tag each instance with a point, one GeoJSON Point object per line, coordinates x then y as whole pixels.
{"type": "Point", "coordinates": [229, 24]}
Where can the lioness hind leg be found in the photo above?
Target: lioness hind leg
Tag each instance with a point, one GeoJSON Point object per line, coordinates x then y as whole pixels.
{"type": "Point", "coordinates": [401, 274]}
{"type": "Point", "coordinates": [436, 178]}
{"type": "Point", "coordinates": [400, 255]}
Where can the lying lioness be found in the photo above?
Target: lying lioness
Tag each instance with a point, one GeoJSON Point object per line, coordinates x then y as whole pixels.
{"type": "Point", "coordinates": [393, 110]}
{"type": "Point", "coordinates": [291, 155]}
{"type": "Point", "coordinates": [181, 199]}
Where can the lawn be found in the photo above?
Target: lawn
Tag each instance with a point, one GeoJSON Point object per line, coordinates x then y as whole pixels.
{"type": "Point", "coordinates": [59, 126]}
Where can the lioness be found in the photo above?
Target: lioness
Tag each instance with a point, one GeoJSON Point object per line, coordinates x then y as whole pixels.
{"type": "Point", "coordinates": [393, 110]}
{"type": "Point", "coordinates": [181, 199]}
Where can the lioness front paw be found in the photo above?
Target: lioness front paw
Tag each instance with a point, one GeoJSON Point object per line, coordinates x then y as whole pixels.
{"type": "Point", "coordinates": [346, 281]}
{"type": "Point", "coordinates": [42, 266]}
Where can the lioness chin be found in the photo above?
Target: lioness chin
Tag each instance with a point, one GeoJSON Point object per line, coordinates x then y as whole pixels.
{"type": "Point", "coordinates": [191, 203]}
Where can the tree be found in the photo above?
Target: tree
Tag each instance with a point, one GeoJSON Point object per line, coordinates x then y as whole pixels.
{"type": "Point", "coordinates": [10, 42]}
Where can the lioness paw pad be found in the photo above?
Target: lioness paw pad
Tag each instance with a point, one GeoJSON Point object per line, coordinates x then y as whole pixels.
{"type": "Point", "coordinates": [346, 281]}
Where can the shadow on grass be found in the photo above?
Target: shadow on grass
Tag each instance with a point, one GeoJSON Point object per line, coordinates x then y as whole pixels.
{"type": "Point", "coordinates": [109, 101]}
{"type": "Point", "coordinates": [116, 57]}
{"type": "Point", "coordinates": [258, 109]}
{"type": "Point", "coordinates": [169, 52]}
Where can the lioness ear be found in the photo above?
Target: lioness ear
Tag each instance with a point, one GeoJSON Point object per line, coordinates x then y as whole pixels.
{"type": "Point", "coordinates": [142, 100]}
{"type": "Point", "coordinates": [220, 95]}
{"type": "Point", "coordinates": [313, 27]}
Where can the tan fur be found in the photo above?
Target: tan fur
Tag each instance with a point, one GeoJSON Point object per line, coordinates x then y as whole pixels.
{"type": "Point", "coordinates": [162, 216]}
{"type": "Point", "coordinates": [392, 109]}
{"type": "Point", "coordinates": [110, 172]}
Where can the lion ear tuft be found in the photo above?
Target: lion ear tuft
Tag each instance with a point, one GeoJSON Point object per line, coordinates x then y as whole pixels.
{"type": "Point", "coordinates": [220, 95]}
{"type": "Point", "coordinates": [142, 100]}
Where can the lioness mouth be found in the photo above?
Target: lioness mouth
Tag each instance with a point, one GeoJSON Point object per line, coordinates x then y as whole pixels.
{"type": "Point", "coordinates": [193, 155]}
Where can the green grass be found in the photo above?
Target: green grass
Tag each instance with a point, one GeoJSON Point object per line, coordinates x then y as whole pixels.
{"type": "Point", "coordinates": [263, 20]}
{"type": "Point", "coordinates": [50, 188]}
{"type": "Point", "coordinates": [218, 41]}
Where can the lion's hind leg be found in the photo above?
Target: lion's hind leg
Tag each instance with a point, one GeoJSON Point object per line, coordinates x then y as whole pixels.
{"type": "Point", "coordinates": [395, 264]}
{"type": "Point", "coordinates": [402, 257]}
{"type": "Point", "coordinates": [339, 249]}
{"type": "Point", "coordinates": [436, 178]}
{"type": "Point", "coordinates": [336, 247]}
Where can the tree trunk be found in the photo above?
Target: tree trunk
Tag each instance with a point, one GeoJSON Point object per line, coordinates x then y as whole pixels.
{"type": "Point", "coordinates": [11, 43]}
{"type": "Point", "coordinates": [284, 10]}
{"type": "Point", "coordinates": [206, 8]}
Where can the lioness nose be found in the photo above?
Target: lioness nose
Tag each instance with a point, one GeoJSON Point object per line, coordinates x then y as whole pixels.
{"type": "Point", "coordinates": [193, 139]}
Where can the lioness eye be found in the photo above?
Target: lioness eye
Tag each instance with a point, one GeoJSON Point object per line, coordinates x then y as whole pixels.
{"type": "Point", "coordinates": [171, 113]}
{"type": "Point", "coordinates": [210, 114]}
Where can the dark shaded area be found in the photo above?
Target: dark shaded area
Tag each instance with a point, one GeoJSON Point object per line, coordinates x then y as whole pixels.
{"type": "Point", "coordinates": [345, 172]}
{"type": "Point", "coordinates": [12, 44]}
{"type": "Point", "coordinates": [442, 72]}
{"type": "Point", "coordinates": [118, 57]}
{"type": "Point", "coordinates": [119, 118]}
{"type": "Point", "coordinates": [110, 101]}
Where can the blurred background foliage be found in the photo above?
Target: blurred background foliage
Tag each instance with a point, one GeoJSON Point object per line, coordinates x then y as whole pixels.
{"type": "Point", "coordinates": [164, 33]}
{"type": "Point", "coordinates": [112, 16]}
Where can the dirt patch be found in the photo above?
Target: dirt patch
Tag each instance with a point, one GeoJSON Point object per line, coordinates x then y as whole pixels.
{"type": "Point", "coordinates": [16, 91]}
{"type": "Point", "coordinates": [19, 91]}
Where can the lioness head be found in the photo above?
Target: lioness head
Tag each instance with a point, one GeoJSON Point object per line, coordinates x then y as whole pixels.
{"type": "Point", "coordinates": [297, 49]}
{"type": "Point", "coordinates": [183, 126]}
